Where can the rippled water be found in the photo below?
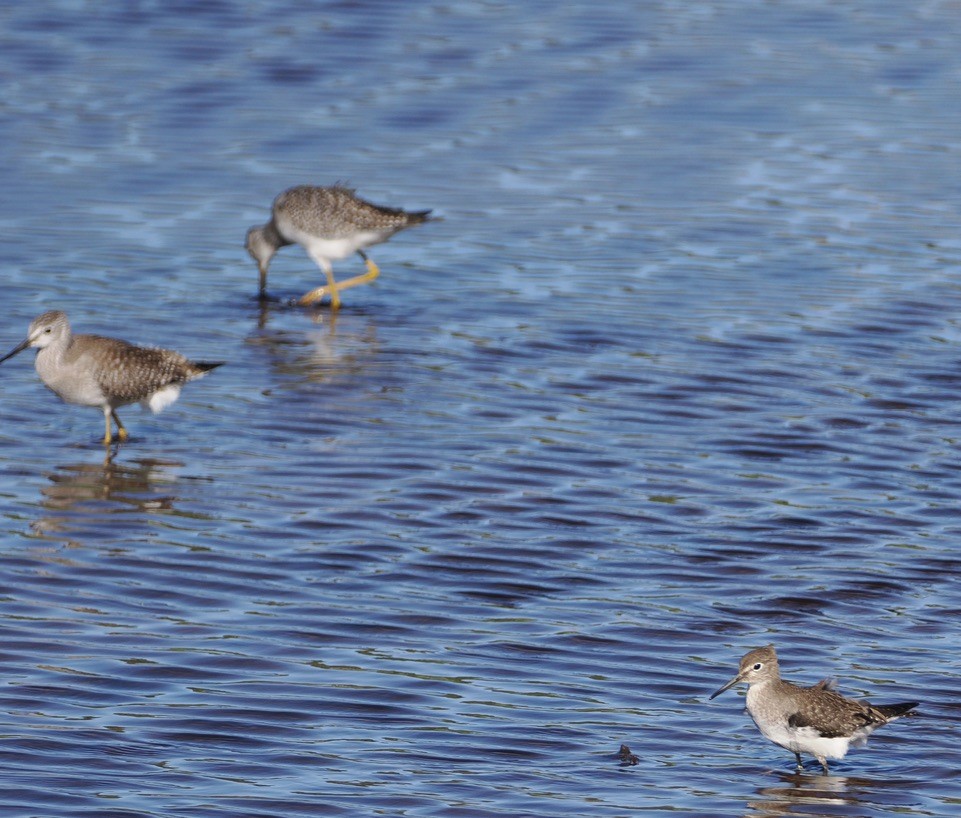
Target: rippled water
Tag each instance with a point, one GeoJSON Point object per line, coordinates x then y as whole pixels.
{"type": "Point", "coordinates": [676, 376]}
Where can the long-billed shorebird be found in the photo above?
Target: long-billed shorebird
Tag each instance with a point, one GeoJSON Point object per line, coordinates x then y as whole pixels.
{"type": "Point", "coordinates": [814, 720]}
{"type": "Point", "coordinates": [330, 223]}
{"type": "Point", "coordinates": [91, 370]}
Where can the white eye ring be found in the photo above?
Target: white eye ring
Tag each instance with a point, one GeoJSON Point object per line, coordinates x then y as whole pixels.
{"type": "Point", "coordinates": [757, 666]}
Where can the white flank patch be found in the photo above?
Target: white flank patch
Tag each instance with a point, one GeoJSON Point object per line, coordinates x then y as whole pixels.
{"type": "Point", "coordinates": [808, 740]}
{"type": "Point", "coordinates": [162, 398]}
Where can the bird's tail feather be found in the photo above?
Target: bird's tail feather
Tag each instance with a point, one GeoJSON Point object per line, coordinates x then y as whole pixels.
{"type": "Point", "coordinates": [894, 711]}
{"type": "Point", "coordinates": [201, 368]}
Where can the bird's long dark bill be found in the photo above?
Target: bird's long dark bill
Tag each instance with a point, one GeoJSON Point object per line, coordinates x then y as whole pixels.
{"type": "Point", "coordinates": [720, 690]}
{"type": "Point", "coordinates": [19, 348]}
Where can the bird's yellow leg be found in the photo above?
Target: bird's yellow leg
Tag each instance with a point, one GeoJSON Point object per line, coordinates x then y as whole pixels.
{"type": "Point", "coordinates": [315, 295]}
{"type": "Point", "coordinates": [332, 288]}
{"type": "Point", "coordinates": [372, 269]}
{"type": "Point", "coordinates": [121, 431]}
{"type": "Point", "coordinates": [107, 435]}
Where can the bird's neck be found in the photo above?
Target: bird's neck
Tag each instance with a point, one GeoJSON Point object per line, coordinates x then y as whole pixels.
{"type": "Point", "coordinates": [758, 691]}
{"type": "Point", "coordinates": [273, 237]}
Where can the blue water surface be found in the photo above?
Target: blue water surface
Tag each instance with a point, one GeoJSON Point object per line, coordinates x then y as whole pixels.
{"type": "Point", "coordinates": [673, 377]}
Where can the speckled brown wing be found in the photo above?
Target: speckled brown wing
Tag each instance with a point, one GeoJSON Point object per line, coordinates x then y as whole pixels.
{"type": "Point", "coordinates": [835, 716]}
{"type": "Point", "coordinates": [127, 373]}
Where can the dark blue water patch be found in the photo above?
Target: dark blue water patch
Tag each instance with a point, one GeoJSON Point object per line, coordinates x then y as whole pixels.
{"type": "Point", "coordinates": [37, 58]}
{"type": "Point", "coordinates": [287, 71]}
{"type": "Point", "coordinates": [200, 98]}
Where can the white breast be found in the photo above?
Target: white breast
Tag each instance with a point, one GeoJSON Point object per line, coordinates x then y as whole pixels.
{"type": "Point", "coordinates": [70, 383]}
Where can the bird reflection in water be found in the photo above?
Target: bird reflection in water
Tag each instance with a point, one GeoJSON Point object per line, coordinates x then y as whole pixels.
{"type": "Point", "coordinates": [804, 794]}
{"type": "Point", "coordinates": [330, 346]}
{"type": "Point", "coordinates": [86, 487]}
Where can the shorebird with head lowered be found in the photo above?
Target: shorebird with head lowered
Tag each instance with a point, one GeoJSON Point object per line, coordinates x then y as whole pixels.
{"type": "Point", "coordinates": [91, 370]}
{"type": "Point", "coordinates": [814, 720]}
{"type": "Point", "coordinates": [330, 223]}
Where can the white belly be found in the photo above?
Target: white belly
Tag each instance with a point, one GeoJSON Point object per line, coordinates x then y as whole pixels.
{"type": "Point", "coordinates": [331, 249]}
{"type": "Point", "coordinates": [804, 740]}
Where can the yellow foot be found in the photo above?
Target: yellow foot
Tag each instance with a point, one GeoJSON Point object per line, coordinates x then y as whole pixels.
{"type": "Point", "coordinates": [312, 297]}
{"type": "Point", "coordinates": [316, 296]}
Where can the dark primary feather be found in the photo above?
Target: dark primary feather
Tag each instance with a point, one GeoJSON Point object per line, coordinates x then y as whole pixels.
{"type": "Point", "coordinates": [893, 711]}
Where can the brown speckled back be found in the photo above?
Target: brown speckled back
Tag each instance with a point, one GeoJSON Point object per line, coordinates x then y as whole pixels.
{"type": "Point", "coordinates": [337, 212]}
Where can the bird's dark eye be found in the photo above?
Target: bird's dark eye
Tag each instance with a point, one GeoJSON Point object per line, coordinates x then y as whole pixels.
{"type": "Point", "coordinates": [757, 666]}
{"type": "Point", "coordinates": [48, 330]}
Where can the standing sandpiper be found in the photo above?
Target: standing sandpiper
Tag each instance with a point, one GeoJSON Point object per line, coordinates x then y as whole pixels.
{"type": "Point", "coordinates": [330, 223]}
{"type": "Point", "coordinates": [814, 720]}
{"type": "Point", "coordinates": [91, 370]}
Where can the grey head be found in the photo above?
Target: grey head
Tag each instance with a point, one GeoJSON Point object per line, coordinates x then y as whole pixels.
{"type": "Point", "coordinates": [50, 328]}
{"type": "Point", "coordinates": [262, 242]}
{"type": "Point", "coordinates": [758, 665]}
